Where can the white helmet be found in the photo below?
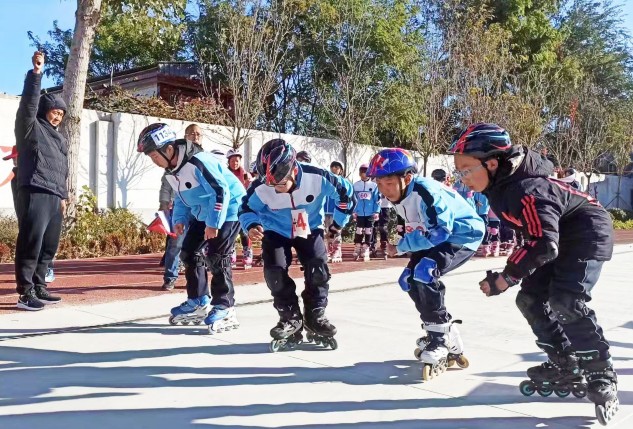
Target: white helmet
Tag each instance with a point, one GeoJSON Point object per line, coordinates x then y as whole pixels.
{"type": "Point", "coordinates": [231, 153]}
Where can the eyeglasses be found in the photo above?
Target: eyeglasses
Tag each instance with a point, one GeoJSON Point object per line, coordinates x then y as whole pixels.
{"type": "Point", "coordinates": [465, 173]}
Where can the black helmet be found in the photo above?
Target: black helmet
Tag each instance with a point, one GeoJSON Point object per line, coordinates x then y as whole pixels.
{"type": "Point", "coordinates": [482, 140]}
{"type": "Point", "coordinates": [439, 175]}
{"type": "Point", "coordinates": [155, 137]}
{"type": "Point", "coordinates": [275, 161]}
{"type": "Point", "coordinates": [304, 156]}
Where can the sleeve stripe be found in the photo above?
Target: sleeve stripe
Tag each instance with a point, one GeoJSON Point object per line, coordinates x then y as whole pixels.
{"type": "Point", "coordinates": [219, 191]}
{"type": "Point", "coordinates": [529, 212]}
{"type": "Point", "coordinates": [428, 201]}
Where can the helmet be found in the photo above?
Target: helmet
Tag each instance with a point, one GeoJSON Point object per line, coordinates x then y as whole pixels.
{"type": "Point", "coordinates": [155, 137]}
{"type": "Point", "coordinates": [275, 160]}
{"type": "Point", "coordinates": [482, 141]}
{"type": "Point", "coordinates": [364, 166]}
{"type": "Point", "coordinates": [231, 153]}
{"type": "Point", "coordinates": [304, 156]}
{"type": "Point", "coordinates": [337, 164]}
{"type": "Point", "coordinates": [439, 175]}
{"type": "Point", "coordinates": [217, 153]}
{"type": "Point", "coordinates": [392, 161]}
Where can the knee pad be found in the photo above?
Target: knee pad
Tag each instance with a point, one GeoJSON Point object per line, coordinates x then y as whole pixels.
{"type": "Point", "coordinates": [359, 231]}
{"type": "Point", "coordinates": [274, 277]}
{"type": "Point", "coordinates": [529, 305]}
{"type": "Point", "coordinates": [317, 272]}
{"type": "Point", "coordinates": [568, 308]}
{"type": "Point", "coordinates": [218, 263]}
{"type": "Point", "coordinates": [195, 259]}
{"type": "Point", "coordinates": [426, 271]}
{"type": "Point", "coordinates": [403, 280]}
{"type": "Point", "coordinates": [369, 231]}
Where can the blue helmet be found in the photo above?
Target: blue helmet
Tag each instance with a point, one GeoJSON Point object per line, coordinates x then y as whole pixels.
{"type": "Point", "coordinates": [482, 140]}
{"type": "Point", "coordinates": [155, 137]}
{"type": "Point", "coordinates": [392, 161]}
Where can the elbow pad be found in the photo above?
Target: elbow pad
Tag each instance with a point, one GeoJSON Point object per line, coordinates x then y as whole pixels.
{"type": "Point", "coordinates": [548, 253]}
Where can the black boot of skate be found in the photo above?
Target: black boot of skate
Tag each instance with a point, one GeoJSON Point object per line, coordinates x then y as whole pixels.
{"type": "Point", "coordinates": [287, 332]}
{"type": "Point", "coordinates": [319, 328]}
{"type": "Point", "coordinates": [560, 374]}
{"type": "Point", "coordinates": [602, 386]}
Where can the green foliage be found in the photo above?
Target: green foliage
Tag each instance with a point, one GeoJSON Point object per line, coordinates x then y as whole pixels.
{"type": "Point", "coordinates": [621, 215]}
{"type": "Point", "coordinates": [112, 232]}
{"type": "Point", "coordinates": [618, 224]}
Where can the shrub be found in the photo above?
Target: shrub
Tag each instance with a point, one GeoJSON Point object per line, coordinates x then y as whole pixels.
{"type": "Point", "coordinates": [619, 224]}
{"type": "Point", "coordinates": [92, 233]}
{"type": "Point", "coordinates": [621, 215]}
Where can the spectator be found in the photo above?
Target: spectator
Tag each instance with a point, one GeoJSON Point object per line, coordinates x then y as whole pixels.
{"type": "Point", "coordinates": [42, 174]}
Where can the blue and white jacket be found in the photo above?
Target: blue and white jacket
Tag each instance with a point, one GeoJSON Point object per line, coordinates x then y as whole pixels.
{"type": "Point", "coordinates": [434, 213]}
{"type": "Point", "coordinates": [482, 206]}
{"type": "Point", "coordinates": [273, 211]}
{"type": "Point", "coordinates": [205, 190]}
{"type": "Point", "coordinates": [330, 204]}
{"type": "Point", "coordinates": [367, 198]}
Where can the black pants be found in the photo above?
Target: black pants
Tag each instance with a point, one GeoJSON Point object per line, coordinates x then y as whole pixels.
{"type": "Point", "coordinates": [429, 298]}
{"type": "Point", "coordinates": [553, 301]}
{"type": "Point", "coordinates": [277, 257]}
{"type": "Point", "coordinates": [40, 226]}
{"type": "Point", "coordinates": [217, 255]}
{"type": "Point", "coordinates": [506, 234]}
{"type": "Point", "coordinates": [381, 227]}
{"type": "Point", "coordinates": [486, 239]}
{"type": "Point", "coordinates": [364, 229]}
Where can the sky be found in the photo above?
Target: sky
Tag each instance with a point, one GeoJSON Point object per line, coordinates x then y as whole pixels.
{"type": "Point", "coordinates": [19, 16]}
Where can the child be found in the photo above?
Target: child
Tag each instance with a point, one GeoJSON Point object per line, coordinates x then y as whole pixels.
{"type": "Point", "coordinates": [365, 213]}
{"type": "Point", "coordinates": [442, 231]}
{"type": "Point", "coordinates": [284, 209]}
{"type": "Point", "coordinates": [568, 236]}
{"type": "Point", "coordinates": [206, 204]}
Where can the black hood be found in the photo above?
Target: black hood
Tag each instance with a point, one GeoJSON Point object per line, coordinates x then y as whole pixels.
{"type": "Point", "coordinates": [48, 102]}
{"type": "Point", "coordinates": [522, 163]}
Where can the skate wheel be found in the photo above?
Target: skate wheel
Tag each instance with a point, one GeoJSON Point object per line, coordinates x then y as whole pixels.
{"type": "Point", "coordinates": [172, 320]}
{"type": "Point", "coordinates": [527, 388]}
{"type": "Point", "coordinates": [579, 392]}
{"type": "Point", "coordinates": [562, 393]}
{"type": "Point", "coordinates": [333, 344]}
{"type": "Point", "coordinates": [601, 415]}
{"type": "Point", "coordinates": [417, 353]}
{"type": "Point", "coordinates": [197, 322]}
{"type": "Point", "coordinates": [427, 372]}
{"type": "Point", "coordinates": [275, 345]}
{"type": "Point", "coordinates": [545, 391]}
{"type": "Point", "coordinates": [310, 337]}
{"type": "Point", "coordinates": [462, 362]}
{"type": "Point", "coordinates": [450, 363]}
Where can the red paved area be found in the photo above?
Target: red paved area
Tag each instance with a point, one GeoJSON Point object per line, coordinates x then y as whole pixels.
{"type": "Point", "coordinates": [93, 281]}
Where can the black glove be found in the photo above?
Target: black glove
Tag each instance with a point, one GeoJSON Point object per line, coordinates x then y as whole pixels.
{"type": "Point", "coordinates": [491, 278]}
{"type": "Point", "coordinates": [334, 230]}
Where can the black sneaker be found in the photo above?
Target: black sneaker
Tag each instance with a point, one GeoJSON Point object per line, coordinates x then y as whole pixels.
{"type": "Point", "coordinates": [169, 284]}
{"type": "Point", "coordinates": [30, 302]}
{"type": "Point", "coordinates": [44, 296]}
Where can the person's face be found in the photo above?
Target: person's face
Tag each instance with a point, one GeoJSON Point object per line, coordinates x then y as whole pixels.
{"type": "Point", "coordinates": [160, 160]}
{"type": "Point", "coordinates": [335, 169]}
{"type": "Point", "coordinates": [235, 162]}
{"type": "Point", "coordinates": [194, 135]}
{"type": "Point", "coordinates": [286, 185]}
{"type": "Point", "coordinates": [472, 173]}
{"type": "Point", "coordinates": [392, 186]}
{"type": "Point", "coordinates": [363, 174]}
{"type": "Point", "coordinates": [55, 116]}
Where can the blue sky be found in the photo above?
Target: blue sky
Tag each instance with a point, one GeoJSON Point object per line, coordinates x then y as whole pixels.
{"type": "Point", "coordinates": [19, 16]}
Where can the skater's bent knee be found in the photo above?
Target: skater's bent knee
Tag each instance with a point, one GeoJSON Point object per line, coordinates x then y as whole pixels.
{"type": "Point", "coordinates": [317, 272]}
{"type": "Point", "coordinates": [275, 277]}
{"type": "Point", "coordinates": [529, 305]}
{"type": "Point", "coordinates": [217, 262]}
{"type": "Point", "coordinates": [568, 308]}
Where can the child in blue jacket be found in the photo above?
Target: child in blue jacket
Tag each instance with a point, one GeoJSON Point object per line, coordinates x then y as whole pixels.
{"type": "Point", "coordinates": [365, 213]}
{"type": "Point", "coordinates": [441, 232]}
{"type": "Point", "coordinates": [207, 199]}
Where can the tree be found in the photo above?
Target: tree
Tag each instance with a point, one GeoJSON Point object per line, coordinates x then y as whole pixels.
{"type": "Point", "coordinates": [86, 20]}
{"type": "Point", "coordinates": [243, 44]}
{"type": "Point", "coordinates": [130, 33]}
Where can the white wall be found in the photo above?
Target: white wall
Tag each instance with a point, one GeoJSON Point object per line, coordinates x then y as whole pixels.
{"type": "Point", "coordinates": [606, 192]}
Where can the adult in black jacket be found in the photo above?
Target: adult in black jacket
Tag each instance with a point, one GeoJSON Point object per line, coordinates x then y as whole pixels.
{"type": "Point", "coordinates": [568, 237]}
{"type": "Point", "coordinates": [42, 174]}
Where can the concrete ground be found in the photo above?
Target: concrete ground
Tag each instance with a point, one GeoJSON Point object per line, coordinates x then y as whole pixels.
{"type": "Point", "coordinates": [119, 364]}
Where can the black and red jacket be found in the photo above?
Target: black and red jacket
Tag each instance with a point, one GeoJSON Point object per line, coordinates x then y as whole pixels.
{"type": "Point", "coordinates": [547, 210]}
